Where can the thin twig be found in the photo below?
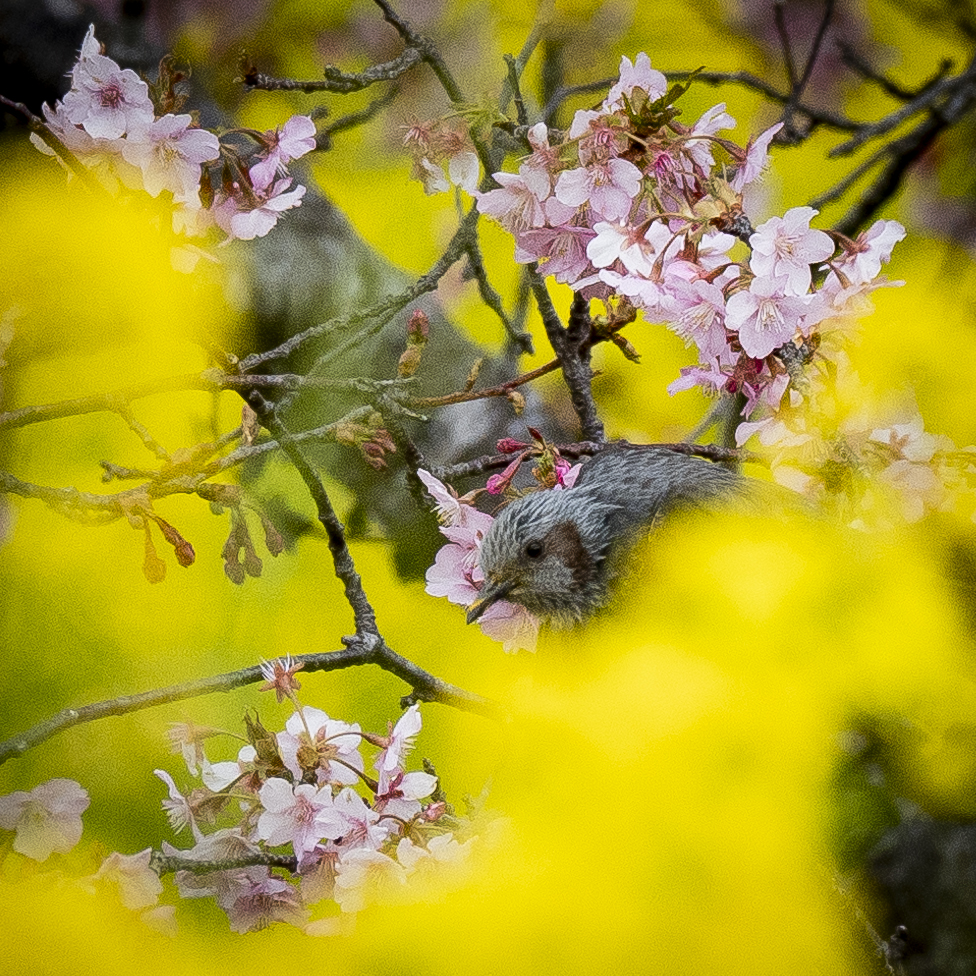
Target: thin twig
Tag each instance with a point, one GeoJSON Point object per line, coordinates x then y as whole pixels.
{"type": "Point", "coordinates": [345, 568]}
{"type": "Point", "coordinates": [501, 390]}
{"type": "Point", "coordinates": [426, 687]}
{"type": "Point", "coordinates": [830, 120]}
{"type": "Point", "coordinates": [576, 370]}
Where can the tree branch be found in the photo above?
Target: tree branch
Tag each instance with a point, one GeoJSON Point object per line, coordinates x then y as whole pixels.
{"type": "Point", "coordinates": [425, 687]}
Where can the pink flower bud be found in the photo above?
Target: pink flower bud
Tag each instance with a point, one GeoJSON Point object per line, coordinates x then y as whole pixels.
{"type": "Point", "coordinates": [435, 811]}
{"type": "Point", "coordinates": [418, 327]}
{"type": "Point", "coordinates": [508, 445]}
{"type": "Point", "coordinates": [497, 483]}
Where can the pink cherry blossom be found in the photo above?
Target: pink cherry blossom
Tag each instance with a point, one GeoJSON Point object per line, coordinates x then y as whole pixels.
{"type": "Point", "coordinates": [47, 819]}
{"type": "Point", "coordinates": [451, 511]}
{"type": "Point", "coordinates": [177, 808]}
{"type": "Point", "coordinates": [400, 741]}
{"type": "Point", "coordinates": [511, 625]}
{"type": "Point", "coordinates": [786, 247]}
{"type": "Point", "coordinates": [239, 219]}
{"type": "Point", "coordinates": [297, 815]}
{"type": "Point", "coordinates": [455, 574]}
{"type": "Point", "coordinates": [441, 850]}
{"type": "Point", "coordinates": [562, 249]}
{"type": "Point", "coordinates": [517, 204]}
{"type": "Point", "coordinates": [710, 378]}
{"type": "Point", "coordinates": [756, 159]}
{"type": "Point", "coordinates": [105, 100]}
{"type": "Point", "coordinates": [170, 153]}
{"type": "Point", "coordinates": [764, 316]}
{"type": "Point", "coordinates": [871, 249]}
{"type": "Point", "coordinates": [365, 876]}
{"type": "Point", "coordinates": [636, 74]}
{"type": "Point", "coordinates": [361, 825]}
{"type": "Point", "coordinates": [337, 741]}
{"type": "Point", "coordinates": [910, 441]}
{"type": "Point", "coordinates": [264, 901]}
{"type": "Point", "coordinates": [399, 794]}
{"type": "Point", "coordinates": [291, 141]}
{"type": "Point", "coordinates": [697, 145]}
{"type": "Point", "coordinates": [544, 160]}
{"type": "Point", "coordinates": [599, 136]}
{"type": "Point", "coordinates": [699, 316]}
{"type": "Point", "coordinates": [608, 187]}
{"type": "Point", "coordinates": [139, 886]}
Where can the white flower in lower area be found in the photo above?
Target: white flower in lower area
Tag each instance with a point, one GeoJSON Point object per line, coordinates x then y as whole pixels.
{"type": "Point", "coordinates": [366, 877]}
{"type": "Point", "coordinates": [47, 819]}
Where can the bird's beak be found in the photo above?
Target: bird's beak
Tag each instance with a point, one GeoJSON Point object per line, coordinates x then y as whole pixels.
{"type": "Point", "coordinates": [490, 593]}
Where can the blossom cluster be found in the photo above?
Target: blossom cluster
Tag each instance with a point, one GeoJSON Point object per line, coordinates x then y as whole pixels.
{"type": "Point", "coordinates": [110, 123]}
{"type": "Point", "coordinates": [349, 838]}
{"type": "Point", "coordinates": [456, 573]}
{"type": "Point", "coordinates": [47, 820]}
{"type": "Point", "coordinates": [300, 792]}
{"type": "Point", "coordinates": [872, 466]}
{"type": "Point", "coordinates": [632, 204]}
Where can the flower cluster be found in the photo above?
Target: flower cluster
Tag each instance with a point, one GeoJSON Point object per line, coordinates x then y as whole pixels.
{"type": "Point", "coordinates": [871, 466]}
{"type": "Point", "coordinates": [47, 820]}
{"type": "Point", "coordinates": [110, 123]}
{"type": "Point", "coordinates": [456, 573]}
{"type": "Point", "coordinates": [633, 204]}
{"type": "Point", "coordinates": [298, 792]}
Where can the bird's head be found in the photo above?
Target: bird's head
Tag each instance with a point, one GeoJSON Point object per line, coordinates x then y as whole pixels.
{"type": "Point", "coordinates": [546, 551]}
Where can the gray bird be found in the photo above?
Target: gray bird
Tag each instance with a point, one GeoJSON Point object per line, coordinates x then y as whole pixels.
{"type": "Point", "coordinates": [553, 551]}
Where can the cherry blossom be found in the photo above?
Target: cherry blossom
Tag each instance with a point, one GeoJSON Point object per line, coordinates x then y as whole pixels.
{"type": "Point", "coordinates": [361, 825]}
{"type": "Point", "coordinates": [450, 510]}
{"type": "Point", "coordinates": [764, 316]}
{"type": "Point", "coordinates": [441, 851]}
{"type": "Point", "coordinates": [139, 886]}
{"type": "Point", "coordinates": [263, 902]}
{"type": "Point", "coordinates": [517, 204]}
{"type": "Point", "coordinates": [298, 815]}
{"type": "Point", "coordinates": [608, 187]}
{"type": "Point", "coordinates": [756, 159]}
{"type": "Point", "coordinates": [313, 740]}
{"type": "Point", "coordinates": [400, 742]}
{"type": "Point", "coordinates": [365, 877]}
{"type": "Point", "coordinates": [636, 74]}
{"type": "Point", "coordinates": [511, 625]}
{"type": "Point", "coordinates": [177, 807]}
{"type": "Point", "coordinates": [170, 153]}
{"type": "Point", "coordinates": [47, 819]}
{"type": "Point", "coordinates": [698, 316]}
{"type": "Point", "coordinates": [399, 793]}
{"type": "Point", "coordinates": [240, 219]}
{"type": "Point", "coordinates": [870, 249]}
{"type": "Point", "coordinates": [291, 141]}
{"type": "Point", "coordinates": [562, 249]}
{"type": "Point", "coordinates": [455, 574]}
{"type": "Point", "coordinates": [105, 100]}
{"type": "Point", "coordinates": [786, 246]}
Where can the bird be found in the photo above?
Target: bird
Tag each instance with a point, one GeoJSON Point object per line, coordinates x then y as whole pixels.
{"type": "Point", "coordinates": [556, 552]}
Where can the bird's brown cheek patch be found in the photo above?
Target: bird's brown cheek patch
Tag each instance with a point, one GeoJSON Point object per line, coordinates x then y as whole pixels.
{"type": "Point", "coordinates": [564, 542]}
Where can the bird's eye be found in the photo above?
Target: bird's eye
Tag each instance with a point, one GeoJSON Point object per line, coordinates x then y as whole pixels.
{"type": "Point", "coordinates": [533, 550]}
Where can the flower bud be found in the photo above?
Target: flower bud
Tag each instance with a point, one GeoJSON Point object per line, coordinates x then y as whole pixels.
{"type": "Point", "coordinates": [517, 401]}
{"type": "Point", "coordinates": [153, 568]}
